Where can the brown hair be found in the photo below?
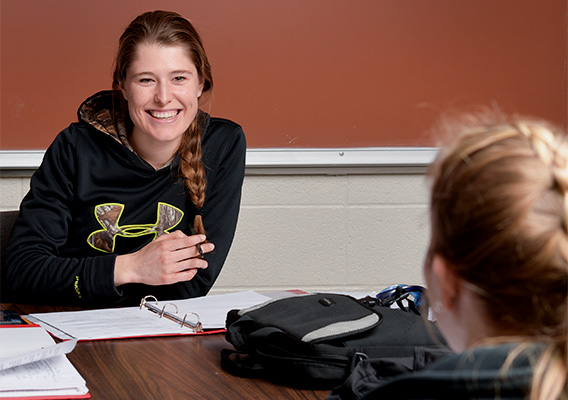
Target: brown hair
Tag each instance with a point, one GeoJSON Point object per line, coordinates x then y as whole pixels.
{"type": "Point", "coordinates": [499, 212]}
{"type": "Point", "coordinates": [169, 28]}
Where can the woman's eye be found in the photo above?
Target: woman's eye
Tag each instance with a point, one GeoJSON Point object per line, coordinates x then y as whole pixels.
{"type": "Point", "coordinates": [179, 79]}
{"type": "Point", "coordinates": [145, 80]}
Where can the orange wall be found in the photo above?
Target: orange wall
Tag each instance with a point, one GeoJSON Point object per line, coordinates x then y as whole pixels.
{"type": "Point", "coordinates": [300, 73]}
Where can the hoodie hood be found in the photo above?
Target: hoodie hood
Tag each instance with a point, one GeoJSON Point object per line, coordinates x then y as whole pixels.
{"type": "Point", "coordinates": [104, 112]}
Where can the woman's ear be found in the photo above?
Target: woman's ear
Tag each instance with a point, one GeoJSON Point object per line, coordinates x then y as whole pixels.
{"type": "Point", "coordinates": [122, 90]}
{"type": "Point", "coordinates": [447, 281]}
{"type": "Point", "coordinates": [200, 89]}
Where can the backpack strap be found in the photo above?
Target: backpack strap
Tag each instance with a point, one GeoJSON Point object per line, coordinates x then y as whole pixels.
{"type": "Point", "coordinates": [241, 364]}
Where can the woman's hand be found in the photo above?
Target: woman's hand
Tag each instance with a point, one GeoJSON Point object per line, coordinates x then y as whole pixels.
{"type": "Point", "coordinates": [171, 258]}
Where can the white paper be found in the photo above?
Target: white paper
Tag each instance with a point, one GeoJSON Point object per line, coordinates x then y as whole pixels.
{"type": "Point", "coordinates": [51, 376]}
{"type": "Point", "coordinates": [23, 345]}
{"type": "Point", "coordinates": [53, 373]}
{"type": "Point", "coordinates": [133, 321]}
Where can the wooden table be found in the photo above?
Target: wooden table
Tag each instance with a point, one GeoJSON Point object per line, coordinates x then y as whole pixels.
{"type": "Point", "coordinates": [181, 367]}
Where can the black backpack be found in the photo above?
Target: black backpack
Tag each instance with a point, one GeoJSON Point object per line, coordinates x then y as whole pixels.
{"type": "Point", "coordinates": [314, 341]}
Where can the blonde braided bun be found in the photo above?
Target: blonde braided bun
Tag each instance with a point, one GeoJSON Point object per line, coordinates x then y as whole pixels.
{"type": "Point", "coordinates": [552, 150]}
{"type": "Point", "coordinates": [499, 214]}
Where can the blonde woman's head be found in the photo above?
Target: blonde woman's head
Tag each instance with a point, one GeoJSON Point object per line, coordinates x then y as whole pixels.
{"type": "Point", "coordinates": [499, 218]}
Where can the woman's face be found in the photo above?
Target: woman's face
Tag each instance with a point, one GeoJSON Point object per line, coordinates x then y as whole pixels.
{"type": "Point", "coordinates": [162, 88]}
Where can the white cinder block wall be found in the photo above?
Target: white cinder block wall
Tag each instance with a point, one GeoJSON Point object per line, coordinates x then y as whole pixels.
{"type": "Point", "coordinates": [322, 232]}
{"type": "Point", "coordinates": [345, 231]}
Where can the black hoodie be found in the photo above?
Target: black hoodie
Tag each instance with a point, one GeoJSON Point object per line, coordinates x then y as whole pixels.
{"type": "Point", "coordinates": [93, 198]}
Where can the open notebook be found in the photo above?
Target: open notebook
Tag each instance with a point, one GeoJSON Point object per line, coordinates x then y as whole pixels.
{"type": "Point", "coordinates": [199, 315]}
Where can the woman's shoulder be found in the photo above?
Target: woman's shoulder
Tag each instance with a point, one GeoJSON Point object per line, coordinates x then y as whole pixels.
{"type": "Point", "coordinates": [478, 373]}
{"type": "Point", "coordinates": [491, 357]}
{"type": "Point", "coordinates": [82, 141]}
{"type": "Point", "coordinates": [223, 126]}
{"type": "Point", "coordinates": [220, 121]}
{"type": "Point", "coordinates": [71, 136]}
{"type": "Point", "coordinates": [77, 131]}
{"type": "Point", "coordinates": [223, 134]}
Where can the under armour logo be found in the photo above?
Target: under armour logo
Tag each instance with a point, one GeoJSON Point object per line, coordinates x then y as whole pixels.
{"type": "Point", "coordinates": [109, 214]}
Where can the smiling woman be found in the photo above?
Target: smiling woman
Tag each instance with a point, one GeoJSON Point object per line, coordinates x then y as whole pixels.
{"type": "Point", "coordinates": [162, 89]}
{"type": "Point", "coordinates": [112, 212]}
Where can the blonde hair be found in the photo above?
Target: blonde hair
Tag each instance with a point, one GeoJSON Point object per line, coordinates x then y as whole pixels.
{"type": "Point", "coordinates": [170, 28]}
{"type": "Point", "coordinates": [499, 212]}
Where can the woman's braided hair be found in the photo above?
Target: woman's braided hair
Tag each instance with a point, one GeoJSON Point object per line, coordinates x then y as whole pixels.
{"type": "Point", "coordinates": [499, 211]}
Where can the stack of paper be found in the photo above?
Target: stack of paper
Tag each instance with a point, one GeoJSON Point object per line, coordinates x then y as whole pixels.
{"type": "Point", "coordinates": [33, 366]}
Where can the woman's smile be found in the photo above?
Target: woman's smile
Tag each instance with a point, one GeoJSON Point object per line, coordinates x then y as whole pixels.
{"type": "Point", "coordinates": [164, 115]}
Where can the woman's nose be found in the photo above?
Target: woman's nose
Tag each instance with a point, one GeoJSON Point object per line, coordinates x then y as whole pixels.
{"type": "Point", "coordinates": [163, 94]}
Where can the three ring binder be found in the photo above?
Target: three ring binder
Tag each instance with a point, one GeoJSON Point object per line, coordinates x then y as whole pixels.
{"type": "Point", "coordinates": [195, 326]}
{"type": "Point", "coordinates": [204, 315]}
